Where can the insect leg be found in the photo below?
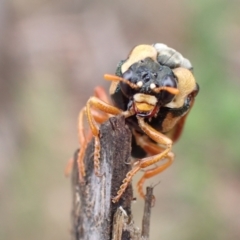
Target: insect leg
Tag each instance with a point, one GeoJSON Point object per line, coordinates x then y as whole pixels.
{"type": "Point", "coordinates": [99, 92]}
{"type": "Point", "coordinates": [83, 141]}
{"type": "Point", "coordinates": [154, 171]}
{"type": "Point", "coordinates": [148, 161]}
{"type": "Point", "coordinates": [106, 108]}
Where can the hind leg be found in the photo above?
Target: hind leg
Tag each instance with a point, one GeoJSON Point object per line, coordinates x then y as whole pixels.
{"type": "Point", "coordinates": [148, 161]}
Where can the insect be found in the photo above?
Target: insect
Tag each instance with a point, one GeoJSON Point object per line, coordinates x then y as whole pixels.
{"type": "Point", "coordinates": [154, 89]}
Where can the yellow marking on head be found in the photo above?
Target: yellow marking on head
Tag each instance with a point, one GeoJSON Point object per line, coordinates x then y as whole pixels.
{"type": "Point", "coordinates": [186, 84]}
{"type": "Point", "coordinates": [140, 52]}
{"type": "Point", "coordinates": [144, 107]}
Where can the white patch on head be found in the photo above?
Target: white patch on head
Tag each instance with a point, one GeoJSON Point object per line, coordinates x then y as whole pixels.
{"type": "Point", "coordinates": [152, 86]}
{"type": "Point", "coordinates": [140, 97]}
{"type": "Point", "coordinates": [139, 84]}
{"type": "Point", "coordinates": [170, 57]}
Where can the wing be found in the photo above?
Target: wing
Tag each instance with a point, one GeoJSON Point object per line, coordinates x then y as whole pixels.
{"type": "Point", "coordinates": [176, 132]}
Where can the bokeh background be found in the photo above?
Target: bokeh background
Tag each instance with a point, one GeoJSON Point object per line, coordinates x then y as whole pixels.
{"type": "Point", "coordinates": [52, 55]}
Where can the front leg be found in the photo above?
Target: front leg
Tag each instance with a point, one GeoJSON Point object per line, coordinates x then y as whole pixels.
{"type": "Point", "coordinates": [93, 119]}
{"type": "Point", "coordinates": [148, 161]}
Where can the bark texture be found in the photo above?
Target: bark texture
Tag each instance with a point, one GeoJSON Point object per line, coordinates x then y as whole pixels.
{"type": "Point", "coordinates": [93, 209]}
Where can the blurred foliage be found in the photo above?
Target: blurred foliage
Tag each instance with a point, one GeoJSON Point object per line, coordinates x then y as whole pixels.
{"type": "Point", "coordinates": [213, 153]}
{"type": "Point", "coordinates": [53, 53]}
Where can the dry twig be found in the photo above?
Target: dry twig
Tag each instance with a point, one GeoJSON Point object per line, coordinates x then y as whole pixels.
{"type": "Point", "coordinates": [94, 216]}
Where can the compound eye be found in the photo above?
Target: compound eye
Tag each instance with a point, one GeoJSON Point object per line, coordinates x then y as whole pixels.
{"type": "Point", "coordinates": [165, 96]}
{"type": "Point", "coordinates": [126, 89]}
{"type": "Point", "coordinates": [169, 81]}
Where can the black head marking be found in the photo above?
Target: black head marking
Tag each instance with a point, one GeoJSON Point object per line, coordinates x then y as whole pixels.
{"type": "Point", "coordinates": [148, 74]}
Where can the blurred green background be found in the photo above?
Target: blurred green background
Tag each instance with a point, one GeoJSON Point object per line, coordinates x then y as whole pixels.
{"type": "Point", "coordinates": [52, 55]}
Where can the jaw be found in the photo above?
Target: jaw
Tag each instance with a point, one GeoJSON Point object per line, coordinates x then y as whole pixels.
{"type": "Point", "coordinates": [145, 105]}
